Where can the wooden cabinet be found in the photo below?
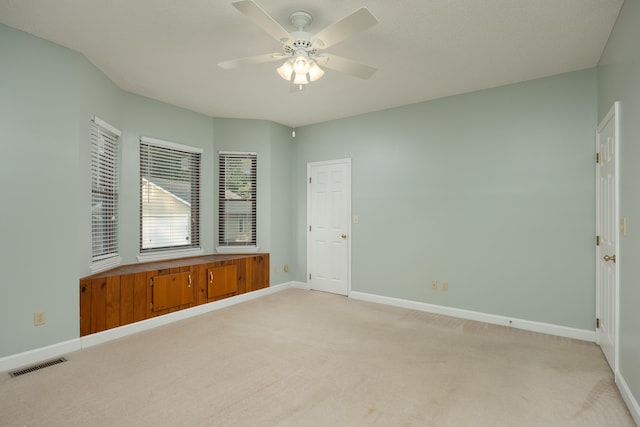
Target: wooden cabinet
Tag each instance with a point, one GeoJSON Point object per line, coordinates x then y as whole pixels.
{"type": "Point", "coordinates": [131, 293]}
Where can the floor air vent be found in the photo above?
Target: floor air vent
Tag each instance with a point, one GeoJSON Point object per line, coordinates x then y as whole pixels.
{"type": "Point", "coordinates": [37, 367]}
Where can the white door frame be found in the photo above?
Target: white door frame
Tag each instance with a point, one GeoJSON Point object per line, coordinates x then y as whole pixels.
{"type": "Point", "coordinates": [326, 163]}
{"type": "Point", "coordinates": [613, 114]}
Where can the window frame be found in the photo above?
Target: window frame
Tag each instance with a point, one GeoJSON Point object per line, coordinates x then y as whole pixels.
{"type": "Point", "coordinates": [224, 245]}
{"type": "Point", "coordinates": [168, 149]}
{"type": "Point", "coordinates": [102, 233]}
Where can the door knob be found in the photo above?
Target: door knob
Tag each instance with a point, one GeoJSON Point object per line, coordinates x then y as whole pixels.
{"type": "Point", "coordinates": [344, 236]}
{"type": "Point", "coordinates": [609, 258]}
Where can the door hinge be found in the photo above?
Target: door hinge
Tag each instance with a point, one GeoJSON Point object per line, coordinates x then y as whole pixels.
{"type": "Point", "coordinates": [151, 282]}
{"type": "Point", "coordinates": [309, 228]}
{"type": "Point", "coordinates": [151, 306]}
{"type": "Point", "coordinates": [597, 157]}
{"type": "Point", "coordinates": [309, 180]}
{"type": "Point", "coordinates": [597, 240]}
{"type": "Point", "coordinates": [597, 323]}
{"type": "Point", "coordinates": [309, 276]}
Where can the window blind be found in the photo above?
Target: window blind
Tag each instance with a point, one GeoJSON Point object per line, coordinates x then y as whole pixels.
{"type": "Point", "coordinates": [237, 197]}
{"type": "Point", "coordinates": [104, 190]}
{"type": "Point", "coordinates": [169, 196]}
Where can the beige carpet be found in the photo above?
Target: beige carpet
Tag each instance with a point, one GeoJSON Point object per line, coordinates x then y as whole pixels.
{"type": "Point", "coordinates": [300, 358]}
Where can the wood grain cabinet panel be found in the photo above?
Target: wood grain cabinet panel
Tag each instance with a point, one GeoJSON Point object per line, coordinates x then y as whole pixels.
{"type": "Point", "coordinates": [85, 307]}
{"type": "Point", "coordinates": [131, 293]}
{"type": "Point", "coordinates": [172, 290]}
{"type": "Point", "coordinates": [222, 281]}
{"type": "Point", "coordinates": [259, 272]}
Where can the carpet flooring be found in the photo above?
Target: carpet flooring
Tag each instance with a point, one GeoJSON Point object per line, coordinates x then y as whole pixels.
{"type": "Point", "coordinates": [304, 358]}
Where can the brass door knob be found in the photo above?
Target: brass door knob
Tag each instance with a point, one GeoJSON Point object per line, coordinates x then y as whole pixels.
{"type": "Point", "coordinates": [609, 258]}
{"type": "Point", "coordinates": [344, 236]}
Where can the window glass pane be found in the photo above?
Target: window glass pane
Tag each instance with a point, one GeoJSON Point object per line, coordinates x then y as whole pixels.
{"type": "Point", "coordinates": [104, 192]}
{"type": "Point", "coordinates": [237, 199]}
{"type": "Point", "coordinates": [169, 198]}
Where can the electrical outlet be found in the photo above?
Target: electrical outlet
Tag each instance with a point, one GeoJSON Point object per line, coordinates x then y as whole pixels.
{"type": "Point", "coordinates": [275, 269]}
{"type": "Point", "coordinates": [445, 286]}
{"type": "Point", "coordinates": [39, 318]}
{"type": "Point", "coordinates": [434, 285]}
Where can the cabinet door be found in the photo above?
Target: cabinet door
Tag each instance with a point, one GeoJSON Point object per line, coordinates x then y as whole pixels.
{"type": "Point", "coordinates": [172, 290]}
{"type": "Point", "coordinates": [222, 281]}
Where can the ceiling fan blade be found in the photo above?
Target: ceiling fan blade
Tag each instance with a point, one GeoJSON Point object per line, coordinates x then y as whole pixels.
{"type": "Point", "coordinates": [261, 18]}
{"type": "Point", "coordinates": [250, 60]}
{"type": "Point", "coordinates": [358, 21]}
{"type": "Point", "coordinates": [344, 65]}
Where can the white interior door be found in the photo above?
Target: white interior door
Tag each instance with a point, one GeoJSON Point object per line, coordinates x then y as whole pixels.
{"type": "Point", "coordinates": [328, 221]}
{"type": "Point", "coordinates": [607, 265]}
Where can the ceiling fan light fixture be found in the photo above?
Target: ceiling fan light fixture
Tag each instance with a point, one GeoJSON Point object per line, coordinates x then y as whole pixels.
{"type": "Point", "coordinates": [302, 50]}
{"type": "Point", "coordinates": [315, 72]}
{"type": "Point", "coordinates": [286, 70]}
{"type": "Point", "coordinates": [301, 64]}
{"type": "Point", "coordinates": [301, 79]}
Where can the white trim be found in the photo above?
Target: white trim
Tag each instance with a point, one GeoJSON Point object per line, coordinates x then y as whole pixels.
{"type": "Point", "coordinates": [300, 285]}
{"type": "Point", "coordinates": [105, 264]}
{"type": "Point", "coordinates": [527, 325]}
{"type": "Point", "coordinates": [162, 255]}
{"type": "Point", "coordinates": [56, 350]}
{"type": "Point", "coordinates": [171, 145]}
{"type": "Point", "coordinates": [237, 249]}
{"type": "Point", "coordinates": [237, 153]}
{"type": "Point", "coordinates": [37, 355]}
{"type": "Point", "coordinates": [629, 399]}
{"type": "Point", "coordinates": [107, 126]}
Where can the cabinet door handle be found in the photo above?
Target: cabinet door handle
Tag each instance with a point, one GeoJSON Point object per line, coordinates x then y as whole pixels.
{"type": "Point", "coordinates": [189, 280]}
{"type": "Point", "coordinates": [211, 276]}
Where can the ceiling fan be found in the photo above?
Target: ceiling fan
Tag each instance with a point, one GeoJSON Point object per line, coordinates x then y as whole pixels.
{"type": "Point", "coordinates": [303, 51]}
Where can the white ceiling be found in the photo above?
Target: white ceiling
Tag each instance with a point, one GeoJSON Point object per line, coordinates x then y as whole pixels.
{"type": "Point", "coordinates": [424, 49]}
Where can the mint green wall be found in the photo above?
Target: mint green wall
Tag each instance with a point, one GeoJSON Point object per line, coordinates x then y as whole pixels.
{"type": "Point", "coordinates": [619, 80]}
{"type": "Point", "coordinates": [39, 168]}
{"type": "Point", "coordinates": [99, 97]}
{"type": "Point", "coordinates": [146, 117]}
{"type": "Point", "coordinates": [491, 191]}
{"type": "Point", "coordinates": [272, 143]}
{"type": "Point", "coordinates": [280, 227]}
{"type": "Point", "coordinates": [249, 136]}
{"type": "Point", "coordinates": [47, 97]}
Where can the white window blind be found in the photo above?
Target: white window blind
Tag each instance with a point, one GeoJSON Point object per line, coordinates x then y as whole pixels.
{"type": "Point", "coordinates": [104, 190]}
{"type": "Point", "coordinates": [237, 199]}
{"type": "Point", "coordinates": [169, 196]}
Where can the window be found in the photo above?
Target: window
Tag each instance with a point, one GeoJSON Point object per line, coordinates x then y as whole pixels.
{"type": "Point", "coordinates": [237, 199]}
{"type": "Point", "coordinates": [104, 193]}
{"type": "Point", "coordinates": [169, 196]}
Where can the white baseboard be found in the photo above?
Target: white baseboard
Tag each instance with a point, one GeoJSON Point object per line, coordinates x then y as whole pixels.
{"type": "Point", "coordinates": [545, 328]}
{"type": "Point", "coordinates": [300, 285]}
{"type": "Point", "coordinates": [628, 398]}
{"type": "Point", "coordinates": [37, 355]}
